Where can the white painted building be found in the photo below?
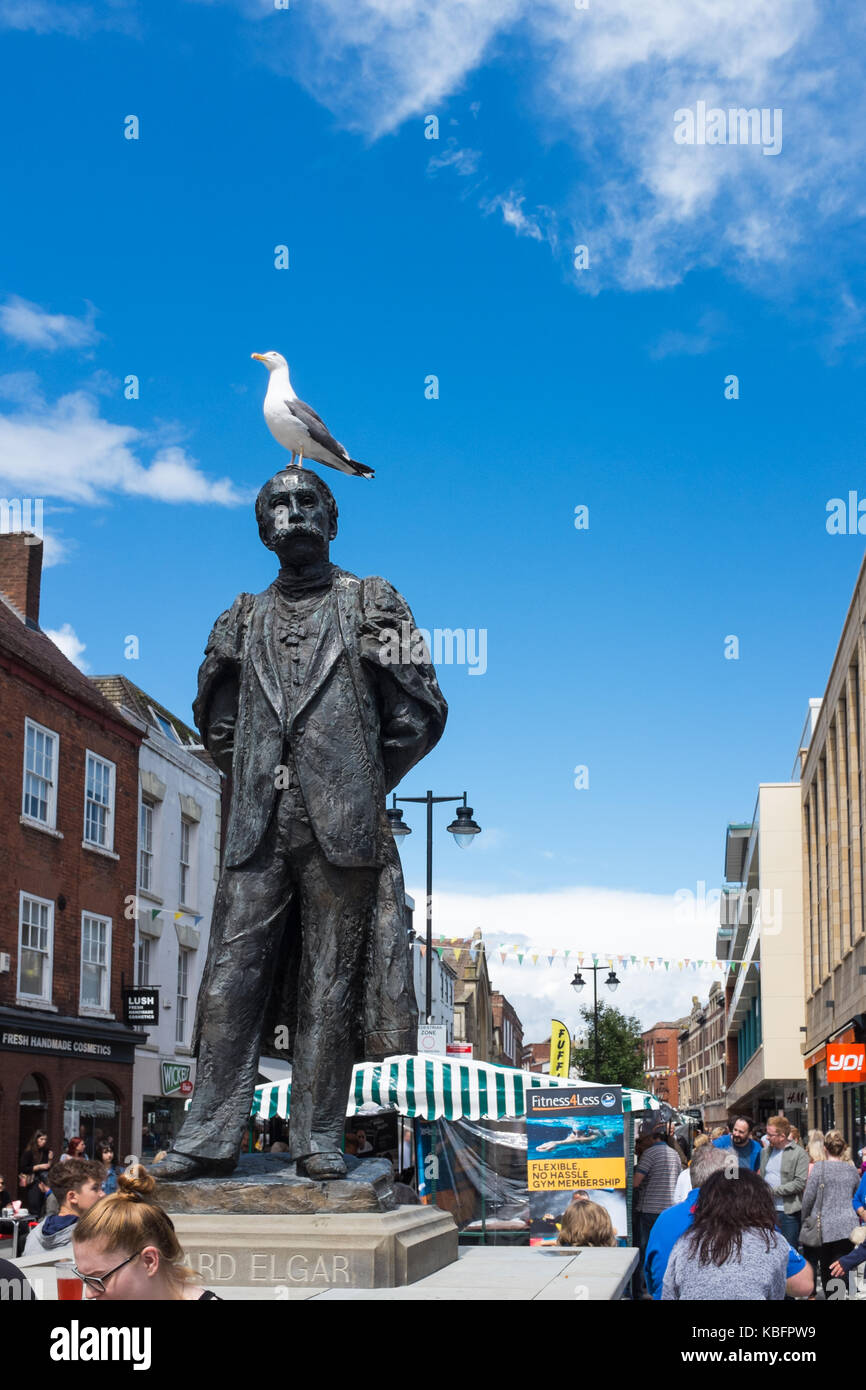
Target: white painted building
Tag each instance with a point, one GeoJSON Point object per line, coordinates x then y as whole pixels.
{"type": "Point", "coordinates": [178, 871]}
{"type": "Point", "coordinates": [443, 981]}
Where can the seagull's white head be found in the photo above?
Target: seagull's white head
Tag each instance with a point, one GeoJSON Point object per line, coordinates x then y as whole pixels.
{"type": "Point", "coordinates": [271, 360]}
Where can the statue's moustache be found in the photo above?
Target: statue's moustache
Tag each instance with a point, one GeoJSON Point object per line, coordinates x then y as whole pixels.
{"type": "Point", "coordinates": [298, 529]}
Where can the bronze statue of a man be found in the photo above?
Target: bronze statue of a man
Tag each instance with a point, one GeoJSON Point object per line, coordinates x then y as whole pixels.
{"type": "Point", "coordinates": [309, 924]}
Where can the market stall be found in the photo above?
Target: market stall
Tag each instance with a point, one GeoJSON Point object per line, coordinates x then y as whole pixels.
{"type": "Point", "coordinates": [469, 1138]}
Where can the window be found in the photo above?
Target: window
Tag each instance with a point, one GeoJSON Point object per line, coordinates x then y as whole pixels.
{"type": "Point", "coordinates": [39, 801]}
{"type": "Point", "coordinates": [183, 956]}
{"type": "Point", "coordinates": [35, 936]}
{"type": "Point", "coordinates": [143, 961]}
{"type": "Point", "coordinates": [99, 802]}
{"type": "Point", "coordinates": [145, 847]}
{"type": "Point", "coordinates": [165, 725]}
{"type": "Point", "coordinates": [185, 871]}
{"type": "Point", "coordinates": [95, 961]}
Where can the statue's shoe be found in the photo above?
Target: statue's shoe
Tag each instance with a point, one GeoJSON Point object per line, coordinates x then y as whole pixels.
{"type": "Point", "coordinates": [176, 1167]}
{"type": "Point", "coordinates": [322, 1166]}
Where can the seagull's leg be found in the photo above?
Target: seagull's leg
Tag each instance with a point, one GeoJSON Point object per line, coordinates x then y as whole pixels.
{"type": "Point", "coordinates": [301, 459]}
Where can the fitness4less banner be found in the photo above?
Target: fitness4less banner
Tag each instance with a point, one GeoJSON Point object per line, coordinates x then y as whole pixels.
{"type": "Point", "coordinates": [575, 1144]}
{"type": "Point", "coordinates": [575, 1138]}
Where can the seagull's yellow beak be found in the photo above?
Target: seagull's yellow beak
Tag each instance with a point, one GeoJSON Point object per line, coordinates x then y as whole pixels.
{"type": "Point", "coordinates": [257, 356]}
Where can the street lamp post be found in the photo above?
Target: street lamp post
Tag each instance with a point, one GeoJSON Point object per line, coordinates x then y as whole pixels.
{"type": "Point", "coordinates": [463, 828]}
{"type": "Point", "coordinates": [577, 985]}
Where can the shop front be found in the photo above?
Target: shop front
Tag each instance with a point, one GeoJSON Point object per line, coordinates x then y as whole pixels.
{"type": "Point", "coordinates": [163, 1086]}
{"type": "Point", "coordinates": [71, 1077]}
{"type": "Point", "coordinates": [837, 1085]}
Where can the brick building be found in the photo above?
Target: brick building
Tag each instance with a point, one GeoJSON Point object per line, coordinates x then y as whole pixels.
{"type": "Point", "coordinates": [660, 1060]}
{"type": "Point", "coordinates": [536, 1057]}
{"type": "Point", "coordinates": [507, 1032]}
{"type": "Point", "coordinates": [702, 1057]}
{"type": "Point", "coordinates": [473, 1017]}
{"type": "Point", "coordinates": [68, 832]}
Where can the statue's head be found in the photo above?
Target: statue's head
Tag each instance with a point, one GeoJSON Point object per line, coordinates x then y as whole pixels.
{"type": "Point", "coordinates": [297, 516]}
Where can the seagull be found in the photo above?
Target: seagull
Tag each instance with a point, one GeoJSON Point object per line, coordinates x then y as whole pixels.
{"type": "Point", "coordinates": [296, 425]}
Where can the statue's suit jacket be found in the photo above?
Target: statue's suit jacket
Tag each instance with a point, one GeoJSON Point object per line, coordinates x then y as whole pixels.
{"type": "Point", "coordinates": [353, 731]}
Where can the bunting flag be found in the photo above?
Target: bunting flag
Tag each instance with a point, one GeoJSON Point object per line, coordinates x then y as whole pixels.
{"type": "Point", "coordinates": [154, 913]}
{"type": "Point", "coordinates": [515, 953]}
{"type": "Point", "coordinates": [177, 916]}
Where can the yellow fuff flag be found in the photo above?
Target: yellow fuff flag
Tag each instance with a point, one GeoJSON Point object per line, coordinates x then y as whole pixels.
{"type": "Point", "coordinates": [560, 1049]}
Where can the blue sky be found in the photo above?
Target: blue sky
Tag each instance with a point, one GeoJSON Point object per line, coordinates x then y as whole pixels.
{"type": "Point", "coordinates": [454, 257]}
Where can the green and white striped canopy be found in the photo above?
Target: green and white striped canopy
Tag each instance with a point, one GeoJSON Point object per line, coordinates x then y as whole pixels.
{"type": "Point", "coordinates": [432, 1088]}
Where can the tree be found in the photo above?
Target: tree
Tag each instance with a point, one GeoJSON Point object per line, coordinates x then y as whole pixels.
{"type": "Point", "coordinates": [620, 1048]}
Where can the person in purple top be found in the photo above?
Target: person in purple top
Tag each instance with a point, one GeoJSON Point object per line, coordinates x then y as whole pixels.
{"type": "Point", "coordinates": [746, 1149]}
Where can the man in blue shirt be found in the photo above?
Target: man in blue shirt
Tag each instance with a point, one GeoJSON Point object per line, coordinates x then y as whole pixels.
{"type": "Point", "coordinates": [674, 1222]}
{"type": "Point", "coordinates": [747, 1149]}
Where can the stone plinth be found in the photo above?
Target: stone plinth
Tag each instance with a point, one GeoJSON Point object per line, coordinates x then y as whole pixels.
{"type": "Point", "coordinates": [364, 1250]}
{"type": "Point", "coordinates": [264, 1183]}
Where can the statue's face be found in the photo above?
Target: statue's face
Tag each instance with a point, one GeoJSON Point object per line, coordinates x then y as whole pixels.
{"type": "Point", "coordinates": [297, 524]}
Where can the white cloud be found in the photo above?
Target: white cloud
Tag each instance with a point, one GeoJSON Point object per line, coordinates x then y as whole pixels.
{"type": "Point", "coordinates": [22, 388]}
{"type": "Point", "coordinates": [523, 223]}
{"type": "Point", "coordinates": [678, 343]}
{"type": "Point", "coordinates": [69, 452]}
{"type": "Point", "coordinates": [463, 161]}
{"type": "Point", "coordinates": [585, 919]}
{"type": "Point", "coordinates": [607, 81]}
{"type": "Point", "coordinates": [69, 643]}
{"type": "Point", "coordinates": [66, 17]}
{"type": "Point", "coordinates": [378, 62]}
{"type": "Point", "coordinates": [33, 326]}
{"type": "Point", "coordinates": [55, 550]}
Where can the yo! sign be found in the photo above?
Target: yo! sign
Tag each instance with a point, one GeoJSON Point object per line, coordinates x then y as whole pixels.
{"type": "Point", "coordinates": [846, 1062]}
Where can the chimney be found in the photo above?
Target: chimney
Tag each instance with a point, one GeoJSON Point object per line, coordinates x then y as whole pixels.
{"type": "Point", "coordinates": [21, 573]}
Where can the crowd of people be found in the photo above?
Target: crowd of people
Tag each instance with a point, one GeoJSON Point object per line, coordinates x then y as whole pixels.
{"type": "Point", "coordinates": [747, 1214]}
{"type": "Point", "coordinates": [739, 1213]}
{"type": "Point", "coordinates": [36, 1190]}
{"type": "Point", "coordinates": [123, 1244]}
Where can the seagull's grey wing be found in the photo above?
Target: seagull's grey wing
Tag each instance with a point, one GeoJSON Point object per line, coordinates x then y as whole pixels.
{"type": "Point", "coordinates": [317, 427]}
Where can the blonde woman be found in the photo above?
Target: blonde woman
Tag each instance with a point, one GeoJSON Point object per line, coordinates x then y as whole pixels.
{"type": "Point", "coordinates": [586, 1223]}
{"type": "Point", "coordinates": [126, 1248]}
{"type": "Point", "coordinates": [815, 1147]}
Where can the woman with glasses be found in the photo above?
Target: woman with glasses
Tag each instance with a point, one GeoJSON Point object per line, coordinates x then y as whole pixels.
{"type": "Point", "coordinates": [126, 1247]}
